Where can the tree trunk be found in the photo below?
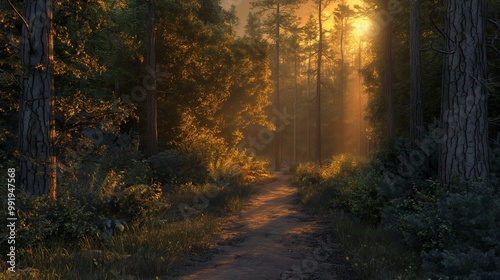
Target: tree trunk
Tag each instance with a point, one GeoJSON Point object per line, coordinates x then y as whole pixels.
{"type": "Point", "coordinates": [387, 76]}
{"type": "Point", "coordinates": [152, 115]}
{"type": "Point", "coordinates": [417, 115]}
{"type": "Point", "coordinates": [277, 150]}
{"type": "Point", "coordinates": [318, 85]}
{"type": "Point", "coordinates": [342, 85]}
{"type": "Point", "coordinates": [464, 152]}
{"type": "Point", "coordinates": [295, 107]}
{"type": "Point", "coordinates": [36, 122]}
{"type": "Point", "coordinates": [309, 107]}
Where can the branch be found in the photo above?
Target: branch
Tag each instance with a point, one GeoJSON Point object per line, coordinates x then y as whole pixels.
{"type": "Point", "coordinates": [15, 46]}
{"type": "Point", "coordinates": [440, 51]}
{"type": "Point", "coordinates": [19, 14]}
{"type": "Point", "coordinates": [495, 22]}
{"type": "Point", "coordinates": [497, 52]}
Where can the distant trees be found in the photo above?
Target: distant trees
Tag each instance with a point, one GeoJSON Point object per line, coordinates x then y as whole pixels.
{"type": "Point", "coordinates": [416, 96]}
{"type": "Point", "coordinates": [325, 74]}
{"type": "Point", "coordinates": [464, 151]}
{"type": "Point", "coordinates": [215, 82]}
{"type": "Point", "coordinates": [253, 28]}
{"type": "Point", "coordinates": [36, 122]}
{"type": "Point", "coordinates": [152, 114]}
{"type": "Point", "coordinates": [387, 74]}
{"type": "Point", "coordinates": [276, 15]}
{"type": "Point", "coordinates": [320, 9]}
{"type": "Point", "coordinates": [342, 25]}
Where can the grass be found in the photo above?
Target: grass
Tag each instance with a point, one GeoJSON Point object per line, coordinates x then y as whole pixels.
{"type": "Point", "coordinates": [369, 248]}
{"type": "Point", "coordinates": [140, 253]}
{"type": "Point", "coordinates": [372, 251]}
{"type": "Point", "coordinates": [144, 251]}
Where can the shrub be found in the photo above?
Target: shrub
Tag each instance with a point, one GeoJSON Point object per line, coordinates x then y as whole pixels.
{"type": "Point", "coordinates": [135, 204]}
{"type": "Point", "coordinates": [173, 168]}
{"type": "Point", "coordinates": [237, 168]}
{"type": "Point", "coordinates": [81, 211]}
{"type": "Point", "coordinates": [344, 183]}
{"type": "Point", "coordinates": [45, 220]}
{"type": "Point", "coordinates": [471, 246]}
{"type": "Point", "coordinates": [307, 174]}
{"type": "Point", "coordinates": [366, 202]}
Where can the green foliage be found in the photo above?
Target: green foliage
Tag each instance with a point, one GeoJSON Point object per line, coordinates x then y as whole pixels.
{"type": "Point", "coordinates": [139, 253]}
{"type": "Point", "coordinates": [459, 233]}
{"type": "Point", "coordinates": [349, 188]}
{"type": "Point", "coordinates": [366, 202]}
{"type": "Point", "coordinates": [495, 166]}
{"type": "Point", "coordinates": [137, 203]}
{"type": "Point", "coordinates": [173, 168]}
{"type": "Point", "coordinates": [80, 212]}
{"type": "Point", "coordinates": [225, 165]}
{"type": "Point", "coordinates": [455, 230]}
{"type": "Point", "coordinates": [45, 220]}
{"type": "Point", "coordinates": [373, 250]}
{"type": "Point", "coordinates": [345, 183]}
{"type": "Point", "coordinates": [236, 168]}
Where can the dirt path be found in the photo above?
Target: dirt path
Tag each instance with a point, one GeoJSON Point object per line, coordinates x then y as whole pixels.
{"type": "Point", "coordinates": [271, 238]}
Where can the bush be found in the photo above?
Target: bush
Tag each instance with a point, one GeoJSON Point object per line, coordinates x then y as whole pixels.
{"type": "Point", "coordinates": [135, 204]}
{"type": "Point", "coordinates": [455, 230]}
{"type": "Point", "coordinates": [45, 220]}
{"type": "Point", "coordinates": [80, 211]}
{"type": "Point", "coordinates": [344, 183]}
{"type": "Point", "coordinates": [237, 168]}
{"type": "Point", "coordinates": [307, 174]}
{"type": "Point", "coordinates": [172, 168]}
{"type": "Point", "coordinates": [366, 202]}
{"type": "Point", "coordinates": [470, 245]}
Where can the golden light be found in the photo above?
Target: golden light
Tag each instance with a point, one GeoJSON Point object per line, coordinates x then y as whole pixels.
{"type": "Point", "coordinates": [361, 26]}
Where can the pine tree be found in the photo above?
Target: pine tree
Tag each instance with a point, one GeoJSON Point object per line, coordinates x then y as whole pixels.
{"type": "Point", "coordinates": [36, 122]}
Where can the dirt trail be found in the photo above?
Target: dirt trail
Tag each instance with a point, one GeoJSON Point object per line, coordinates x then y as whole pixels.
{"type": "Point", "coordinates": [271, 238]}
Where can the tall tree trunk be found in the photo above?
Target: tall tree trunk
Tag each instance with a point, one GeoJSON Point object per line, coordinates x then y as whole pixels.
{"type": "Point", "coordinates": [277, 150]}
{"type": "Point", "coordinates": [417, 115]}
{"type": "Point", "coordinates": [309, 107]}
{"type": "Point", "coordinates": [464, 150]}
{"type": "Point", "coordinates": [152, 115]}
{"type": "Point", "coordinates": [387, 76]}
{"type": "Point", "coordinates": [318, 85]}
{"type": "Point", "coordinates": [36, 122]}
{"type": "Point", "coordinates": [295, 108]}
{"type": "Point", "coordinates": [361, 133]}
{"type": "Point", "coordinates": [342, 85]}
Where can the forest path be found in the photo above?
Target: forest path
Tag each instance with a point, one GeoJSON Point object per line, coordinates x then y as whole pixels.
{"type": "Point", "coordinates": [272, 237]}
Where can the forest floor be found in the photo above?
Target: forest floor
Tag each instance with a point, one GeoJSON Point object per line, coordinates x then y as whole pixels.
{"type": "Point", "coordinates": [272, 237]}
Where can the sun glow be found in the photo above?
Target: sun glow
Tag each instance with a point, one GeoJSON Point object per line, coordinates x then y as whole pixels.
{"type": "Point", "coordinates": [361, 25]}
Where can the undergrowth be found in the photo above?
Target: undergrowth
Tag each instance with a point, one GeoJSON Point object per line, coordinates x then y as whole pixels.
{"type": "Point", "coordinates": [397, 222]}
{"type": "Point", "coordinates": [347, 188]}
{"type": "Point", "coordinates": [130, 220]}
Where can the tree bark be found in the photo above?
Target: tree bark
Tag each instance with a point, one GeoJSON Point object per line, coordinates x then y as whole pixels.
{"type": "Point", "coordinates": [342, 85]}
{"type": "Point", "coordinates": [464, 152]}
{"type": "Point", "coordinates": [309, 103]}
{"type": "Point", "coordinates": [318, 85]}
{"type": "Point", "coordinates": [387, 85]}
{"type": "Point", "coordinates": [277, 149]}
{"type": "Point", "coordinates": [417, 115]}
{"type": "Point", "coordinates": [152, 115]}
{"type": "Point", "coordinates": [295, 93]}
{"type": "Point", "coordinates": [36, 122]}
